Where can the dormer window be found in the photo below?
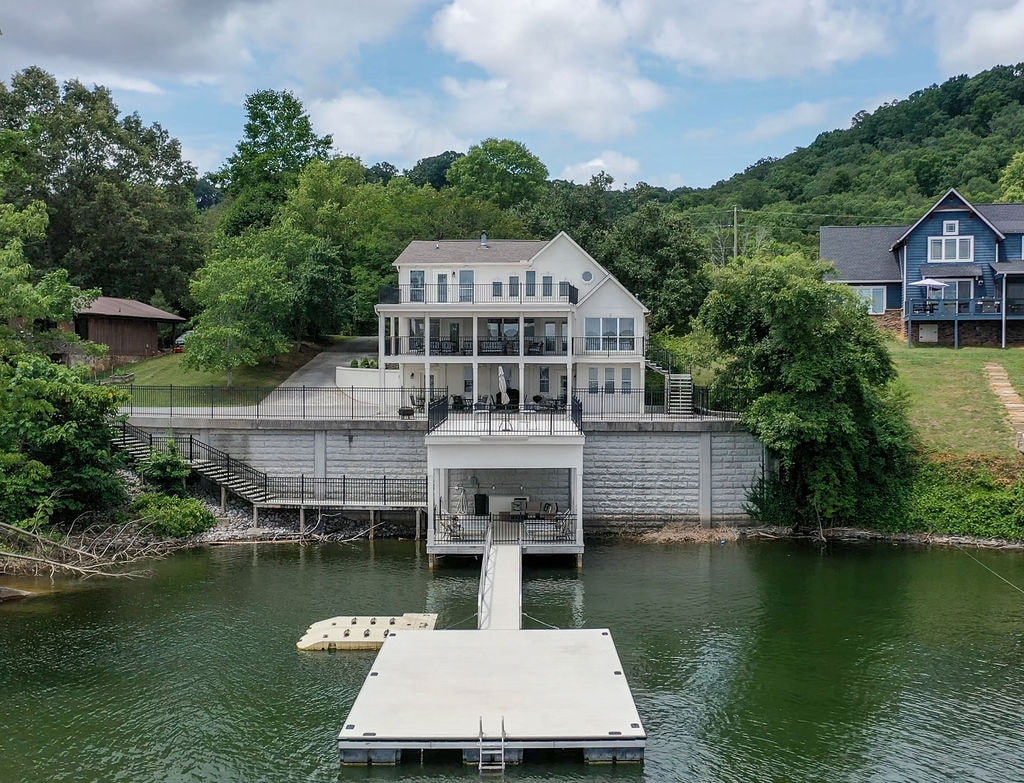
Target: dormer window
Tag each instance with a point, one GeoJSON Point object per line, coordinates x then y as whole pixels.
{"type": "Point", "coordinates": [950, 228]}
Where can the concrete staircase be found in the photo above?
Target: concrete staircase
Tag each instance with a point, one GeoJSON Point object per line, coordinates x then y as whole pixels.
{"type": "Point", "coordinates": [219, 467]}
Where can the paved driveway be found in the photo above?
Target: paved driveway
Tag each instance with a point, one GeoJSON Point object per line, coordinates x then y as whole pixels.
{"type": "Point", "coordinates": [319, 371]}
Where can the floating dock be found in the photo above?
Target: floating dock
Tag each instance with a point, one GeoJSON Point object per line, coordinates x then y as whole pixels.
{"type": "Point", "coordinates": [492, 694]}
{"type": "Point", "coordinates": [361, 632]}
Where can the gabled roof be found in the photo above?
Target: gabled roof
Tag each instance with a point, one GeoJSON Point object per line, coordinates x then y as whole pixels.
{"type": "Point", "coordinates": [607, 276]}
{"type": "Point", "coordinates": [1008, 218]}
{"type": "Point", "coordinates": [128, 308]}
{"type": "Point", "coordinates": [951, 193]}
{"type": "Point", "coordinates": [470, 251]}
{"type": "Point", "coordinates": [861, 253]}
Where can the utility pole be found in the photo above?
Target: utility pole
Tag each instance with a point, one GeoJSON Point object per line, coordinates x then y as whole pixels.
{"type": "Point", "coordinates": [735, 234]}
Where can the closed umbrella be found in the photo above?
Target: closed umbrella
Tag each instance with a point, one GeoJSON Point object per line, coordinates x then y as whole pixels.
{"type": "Point", "coordinates": [502, 386]}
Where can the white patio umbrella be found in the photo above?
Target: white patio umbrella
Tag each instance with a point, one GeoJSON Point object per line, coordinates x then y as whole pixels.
{"type": "Point", "coordinates": [930, 282]}
{"type": "Point", "coordinates": [502, 386]}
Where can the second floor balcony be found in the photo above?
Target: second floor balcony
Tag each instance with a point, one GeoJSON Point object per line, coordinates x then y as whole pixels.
{"type": "Point", "coordinates": [458, 294]}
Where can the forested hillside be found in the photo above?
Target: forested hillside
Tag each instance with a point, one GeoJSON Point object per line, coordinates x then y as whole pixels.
{"type": "Point", "coordinates": [291, 238]}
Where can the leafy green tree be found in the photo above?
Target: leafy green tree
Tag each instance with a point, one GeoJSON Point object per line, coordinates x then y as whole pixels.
{"type": "Point", "coordinates": [585, 212]}
{"type": "Point", "coordinates": [382, 172]}
{"type": "Point", "coordinates": [1011, 181]}
{"type": "Point", "coordinates": [118, 193]}
{"type": "Point", "coordinates": [802, 359]}
{"type": "Point", "coordinates": [277, 144]}
{"type": "Point", "coordinates": [501, 171]}
{"type": "Point", "coordinates": [656, 255]}
{"type": "Point", "coordinates": [433, 171]}
{"type": "Point", "coordinates": [246, 299]}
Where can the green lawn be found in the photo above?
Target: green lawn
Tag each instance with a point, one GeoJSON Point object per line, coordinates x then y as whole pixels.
{"type": "Point", "coordinates": [167, 370]}
{"type": "Point", "coordinates": [952, 407]}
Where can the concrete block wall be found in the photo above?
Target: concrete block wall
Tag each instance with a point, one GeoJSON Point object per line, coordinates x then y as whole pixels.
{"type": "Point", "coordinates": [645, 474]}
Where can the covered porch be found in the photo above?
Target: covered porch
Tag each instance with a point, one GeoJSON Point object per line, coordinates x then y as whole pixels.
{"type": "Point", "coordinates": [526, 491]}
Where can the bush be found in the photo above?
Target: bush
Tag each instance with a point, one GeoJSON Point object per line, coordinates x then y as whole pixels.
{"type": "Point", "coordinates": [174, 517]}
{"type": "Point", "coordinates": [166, 470]}
{"type": "Point", "coordinates": [354, 363]}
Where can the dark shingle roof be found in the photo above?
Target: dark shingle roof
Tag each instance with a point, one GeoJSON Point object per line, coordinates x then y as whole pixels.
{"type": "Point", "coordinates": [1008, 218]}
{"type": "Point", "coordinates": [459, 252]}
{"type": "Point", "coordinates": [128, 308]}
{"type": "Point", "coordinates": [861, 253]}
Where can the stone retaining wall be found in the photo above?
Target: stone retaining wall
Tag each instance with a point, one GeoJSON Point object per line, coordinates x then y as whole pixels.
{"type": "Point", "coordinates": [636, 474]}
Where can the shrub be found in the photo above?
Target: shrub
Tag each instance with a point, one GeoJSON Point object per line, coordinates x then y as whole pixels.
{"type": "Point", "coordinates": [166, 470]}
{"type": "Point", "coordinates": [354, 363]}
{"type": "Point", "coordinates": [172, 516]}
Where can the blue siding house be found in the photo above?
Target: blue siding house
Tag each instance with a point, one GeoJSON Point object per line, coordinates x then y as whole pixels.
{"type": "Point", "coordinates": [955, 277]}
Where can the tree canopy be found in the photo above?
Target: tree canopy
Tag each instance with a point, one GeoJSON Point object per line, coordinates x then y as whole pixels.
{"type": "Point", "coordinates": [803, 360]}
{"type": "Point", "coordinates": [502, 171]}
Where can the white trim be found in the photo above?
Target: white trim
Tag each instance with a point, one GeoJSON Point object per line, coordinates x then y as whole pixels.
{"type": "Point", "coordinates": [967, 205]}
{"type": "Point", "coordinates": [969, 259]}
{"type": "Point", "coordinates": [950, 228]}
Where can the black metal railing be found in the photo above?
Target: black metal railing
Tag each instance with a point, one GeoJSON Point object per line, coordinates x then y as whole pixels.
{"type": "Point", "coordinates": [131, 433]}
{"type": "Point", "coordinates": [958, 308]}
{"type": "Point", "coordinates": [485, 346]}
{"type": "Point", "coordinates": [662, 357]}
{"type": "Point", "coordinates": [510, 420]}
{"type": "Point", "coordinates": [504, 528]}
{"type": "Point", "coordinates": [299, 402]}
{"type": "Point", "coordinates": [609, 346]}
{"type": "Point", "coordinates": [599, 402]}
{"type": "Point", "coordinates": [496, 292]}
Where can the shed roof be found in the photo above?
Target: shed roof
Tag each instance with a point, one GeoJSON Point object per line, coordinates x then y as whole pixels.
{"type": "Point", "coordinates": [861, 254]}
{"type": "Point", "coordinates": [469, 251]}
{"type": "Point", "coordinates": [113, 307]}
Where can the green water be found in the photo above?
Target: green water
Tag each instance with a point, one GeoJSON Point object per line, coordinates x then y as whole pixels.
{"type": "Point", "coordinates": [772, 661]}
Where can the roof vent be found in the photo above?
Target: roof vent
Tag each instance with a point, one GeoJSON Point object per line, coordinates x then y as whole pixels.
{"type": "Point", "coordinates": [483, 239]}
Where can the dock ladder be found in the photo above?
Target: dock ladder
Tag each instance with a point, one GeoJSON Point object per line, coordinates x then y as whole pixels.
{"type": "Point", "coordinates": [491, 756]}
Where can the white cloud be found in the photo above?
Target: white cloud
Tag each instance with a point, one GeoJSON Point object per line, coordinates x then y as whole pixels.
{"type": "Point", "coordinates": [801, 115]}
{"type": "Point", "coordinates": [557, 65]}
{"type": "Point", "coordinates": [375, 127]}
{"type": "Point", "coordinates": [621, 167]}
{"type": "Point", "coordinates": [971, 38]}
{"type": "Point", "coordinates": [757, 38]}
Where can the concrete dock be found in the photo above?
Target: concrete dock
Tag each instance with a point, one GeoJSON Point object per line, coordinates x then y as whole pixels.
{"type": "Point", "coordinates": [474, 690]}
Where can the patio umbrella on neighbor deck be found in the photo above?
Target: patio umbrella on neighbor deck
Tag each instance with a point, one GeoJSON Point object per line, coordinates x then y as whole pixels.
{"type": "Point", "coordinates": [930, 283]}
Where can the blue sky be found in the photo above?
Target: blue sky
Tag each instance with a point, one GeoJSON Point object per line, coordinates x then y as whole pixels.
{"type": "Point", "coordinates": [669, 92]}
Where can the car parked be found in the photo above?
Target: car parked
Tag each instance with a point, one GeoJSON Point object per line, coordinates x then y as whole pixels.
{"type": "Point", "coordinates": [181, 339]}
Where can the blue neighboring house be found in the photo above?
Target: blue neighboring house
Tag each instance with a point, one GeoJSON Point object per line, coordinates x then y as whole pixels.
{"type": "Point", "coordinates": [955, 277]}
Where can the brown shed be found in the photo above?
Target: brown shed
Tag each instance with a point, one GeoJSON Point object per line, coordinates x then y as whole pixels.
{"type": "Point", "coordinates": [130, 329]}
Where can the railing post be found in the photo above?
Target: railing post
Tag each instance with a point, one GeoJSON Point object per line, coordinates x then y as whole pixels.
{"type": "Point", "coordinates": [170, 400]}
{"type": "Point", "coordinates": [211, 400]}
{"type": "Point", "coordinates": [344, 489]}
{"type": "Point", "coordinates": [384, 490]}
{"type": "Point", "coordinates": [303, 400]}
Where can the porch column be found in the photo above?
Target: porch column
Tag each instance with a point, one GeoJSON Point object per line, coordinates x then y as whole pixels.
{"type": "Point", "coordinates": [569, 359]}
{"type": "Point", "coordinates": [431, 515]}
{"type": "Point", "coordinates": [476, 360]}
{"type": "Point", "coordinates": [380, 350]}
{"type": "Point", "coordinates": [1003, 342]}
{"type": "Point", "coordinates": [577, 500]}
{"type": "Point", "coordinates": [704, 480]}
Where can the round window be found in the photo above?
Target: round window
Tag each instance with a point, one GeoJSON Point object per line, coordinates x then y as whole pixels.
{"type": "Point", "coordinates": [588, 276]}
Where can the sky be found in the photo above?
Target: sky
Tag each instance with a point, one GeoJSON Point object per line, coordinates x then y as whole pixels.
{"type": "Point", "coordinates": [668, 92]}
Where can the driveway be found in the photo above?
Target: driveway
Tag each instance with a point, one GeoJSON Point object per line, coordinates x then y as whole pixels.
{"type": "Point", "coordinates": [319, 371]}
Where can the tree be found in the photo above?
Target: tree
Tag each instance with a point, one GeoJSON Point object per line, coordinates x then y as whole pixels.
{"type": "Point", "coordinates": [501, 171]}
{"type": "Point", "coordinates": [277, 144]}
{"type": "Point", "coordinates": [1011, 181]}
{"type": "Point", "coordinates": [118, 194]}
{"type": "Point", "coordinates": [802, 359]}
{"type": "Point", "coordinates": [433, 171]}
{"type": "Point", "coordinates": [656, 255]}
{"type": "Point", "coordinates": [55, 458]}
{"type": "Point", "coordinates": [245, 299]}
{"type": "Point", "coordinates": [382, 172]}
{"type": "Point", "coordinates": [585, 212]}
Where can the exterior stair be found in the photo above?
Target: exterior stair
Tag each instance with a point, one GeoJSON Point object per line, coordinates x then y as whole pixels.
{"type": "Point", "coordinates": [236, 476]}
{"type": "Point", "coordinates": [679, 394]}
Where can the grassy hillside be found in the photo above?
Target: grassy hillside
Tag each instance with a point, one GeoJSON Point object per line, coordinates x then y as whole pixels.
{"type": "Point", "coordinates": [953, 410]}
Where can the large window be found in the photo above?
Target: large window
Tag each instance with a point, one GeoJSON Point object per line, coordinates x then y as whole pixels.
{"type": "Point", "coordinates": [951, 248]}
{"type": "Point", "coordinates": [531, 283]}
{"type": "Point", "coordinates": [513, 285]}
{"type": "Point", "coordinates": [874, 298]}
{"type": "Point", "coordinates": [609, 334]}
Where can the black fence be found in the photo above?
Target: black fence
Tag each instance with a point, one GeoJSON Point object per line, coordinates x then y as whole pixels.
{"type": "Point", "coordinates": [497, 292]}
{"type": "Point", "coordinates": [504, 529]}
{"type": "Point", "coordinates": [297, 402]}
{"type": "Point", "coordinates": [600, 401]}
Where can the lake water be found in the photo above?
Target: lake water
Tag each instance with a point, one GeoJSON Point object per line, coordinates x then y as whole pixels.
{"type": "Point", "coordinates": [750, 661]}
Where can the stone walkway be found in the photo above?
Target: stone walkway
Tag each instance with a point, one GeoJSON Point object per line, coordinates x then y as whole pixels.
{"type": "Point", "coordinates": [1000, 384]}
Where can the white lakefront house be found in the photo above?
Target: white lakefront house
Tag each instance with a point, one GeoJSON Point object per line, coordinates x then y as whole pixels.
{"type": "Point", "coordinates": [505, 346]}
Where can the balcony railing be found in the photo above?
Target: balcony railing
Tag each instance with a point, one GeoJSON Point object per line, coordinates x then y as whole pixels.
{"type": "Point", "coordinates": [486, 346]}
{"type": "Point", "coordinates": [608, 346]}
{"type": "Point", "coordinates": [505, 528]}
{"type": "Point", "coordinates": [480, 293]}
{"type": "Point", "coordinates": [959, 308]}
